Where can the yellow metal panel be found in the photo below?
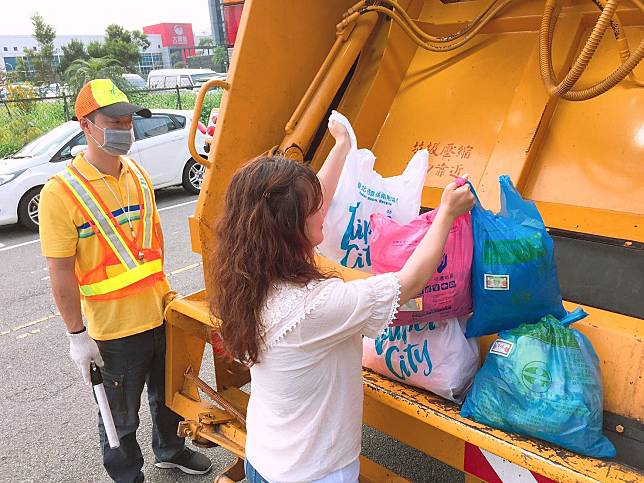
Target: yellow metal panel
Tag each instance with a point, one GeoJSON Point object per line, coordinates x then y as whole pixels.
{"type": "Point", "coordinates": [437, 100]}
{"type": "Point", "coordinates": [550, 461]}
{"type": "Point", "coordinates": [280, 45]}
{"type": "Point", "coordinates": [592, 156]}
{"type": "Point", "coordinates": [619, 343]}
{"type": "Point", "coordinates": [406, 429]}
{"type": "Point", "coordinates": [183, 350]}
{"type": "Point", "coordinates": [580, 161]}
{"type": "Point", "coordinates": [381, 69]}
{"type": "Point", "coordinates": [372, 472]}
{"type": "Point", "coordinates": [472, 479]}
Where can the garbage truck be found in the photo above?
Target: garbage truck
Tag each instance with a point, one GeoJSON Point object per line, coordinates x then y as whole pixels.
{"type": "Point", "coordinates": [548, 92]}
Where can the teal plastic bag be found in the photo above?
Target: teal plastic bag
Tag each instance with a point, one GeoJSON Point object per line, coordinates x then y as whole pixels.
{"type": "Point", "coordinates": [543, 380]}
{"type": "Point", "coordinates": [514, 276]}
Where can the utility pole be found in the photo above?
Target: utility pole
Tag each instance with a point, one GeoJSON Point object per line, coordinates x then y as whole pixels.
{"type": "Point", "coordinates": [217, 22]}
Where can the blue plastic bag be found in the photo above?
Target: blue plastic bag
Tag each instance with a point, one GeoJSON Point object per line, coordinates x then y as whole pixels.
{"type": "Point", "coordinates": [514, 276]}
{"type": "Point", "coordinates": [543, 380]}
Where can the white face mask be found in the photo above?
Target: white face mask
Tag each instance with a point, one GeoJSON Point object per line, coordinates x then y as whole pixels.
{"type": "Point", "coordinates": [116, 142]}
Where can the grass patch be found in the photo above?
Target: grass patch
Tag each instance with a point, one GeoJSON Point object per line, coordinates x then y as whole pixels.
{"type": "Point", "coordinates": [21, 124]}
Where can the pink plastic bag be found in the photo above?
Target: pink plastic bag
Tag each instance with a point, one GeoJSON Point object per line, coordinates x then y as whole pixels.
{"type": "Point", "coordinates": [448, 293]}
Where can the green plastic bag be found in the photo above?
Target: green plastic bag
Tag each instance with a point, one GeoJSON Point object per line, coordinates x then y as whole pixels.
{"type": "Point", "coordinates": [543, 380]}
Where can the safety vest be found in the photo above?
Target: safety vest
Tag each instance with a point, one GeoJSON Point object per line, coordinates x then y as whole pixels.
{"type": "Point", "coordinates": [127, 266]}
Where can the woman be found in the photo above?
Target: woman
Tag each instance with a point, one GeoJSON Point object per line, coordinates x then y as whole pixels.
{"type": "Point", "coordinates": [299, 329]}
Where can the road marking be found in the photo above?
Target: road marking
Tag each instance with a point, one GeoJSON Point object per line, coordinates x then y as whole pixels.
{"type": "Point", "coordinates": [178, 205]}
{"type": "Point", "coordinates": [57, 314]}
{"type": "Point", "coordinates": [37, 240]}
{"type": "Point", "coordinates": [185, 269]}
{"type": "Point", "coordinates": [11, 247]}
{"type": "Point", "coordinates": [29, 324]}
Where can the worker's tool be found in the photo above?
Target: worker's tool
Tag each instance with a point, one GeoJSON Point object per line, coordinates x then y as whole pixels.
{"type": "Point", "coordinates": [103, 405]}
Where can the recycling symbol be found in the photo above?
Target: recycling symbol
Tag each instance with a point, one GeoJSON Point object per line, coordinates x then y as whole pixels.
{"type": "Point", "coordinates": [535, 376]}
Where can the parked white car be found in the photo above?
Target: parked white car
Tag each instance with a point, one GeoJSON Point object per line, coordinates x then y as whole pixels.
{"type": "Point", "coordinates": [161, 147]}
{"type": "Point", "coordinates": [184, 78]}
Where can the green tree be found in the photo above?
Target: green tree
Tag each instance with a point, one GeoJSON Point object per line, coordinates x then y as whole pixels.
{"type": "Point", "coordinates": [124, 45]}
{"type": "Point", "coordinates": [121, 45]}
{"type": "Point", "coordinates": [220, 56]}
{"type": "Point", "coordinates": [42, 59]}
{"type": "Point", "coordinates": [205, 42]}
{"type": "Point", "coordinates": [19, 74]}
{"type": "Point", "coordinates": [82, 71]}
{"type": "Point", "coordinates": [75, 49]}
{"type": "Point", "coordinates": [140, 39]}
{"type": "Point", "coordinates": [95, 49]}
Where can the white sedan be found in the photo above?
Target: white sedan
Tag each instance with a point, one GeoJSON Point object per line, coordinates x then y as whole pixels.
{"type": "Point", "coordinates": [160, 146]}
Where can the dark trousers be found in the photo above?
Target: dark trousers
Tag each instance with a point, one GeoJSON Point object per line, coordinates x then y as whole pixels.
{"type": "Point", "coordinates": [130, 363]}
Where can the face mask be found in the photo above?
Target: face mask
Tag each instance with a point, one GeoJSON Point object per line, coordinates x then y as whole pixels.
{"type": "Point", "coordinates": [116, 142]}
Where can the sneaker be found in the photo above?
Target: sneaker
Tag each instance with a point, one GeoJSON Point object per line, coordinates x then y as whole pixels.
{"type": "Point", "coordinates": [188, 461]}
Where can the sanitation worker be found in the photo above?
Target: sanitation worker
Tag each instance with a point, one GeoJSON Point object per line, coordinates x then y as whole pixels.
{"type": "Point", "coordinates": [101, 235]}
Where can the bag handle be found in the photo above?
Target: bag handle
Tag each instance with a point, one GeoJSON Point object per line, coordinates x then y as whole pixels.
{"type": "Point", "coordinates": [513, 205]}
{"type": "Point", "coordinates": [477, 201]}
{"type": "Point", "coordinates": [574, 316]}
{"type": "Point", "coordinates": [416, 167]}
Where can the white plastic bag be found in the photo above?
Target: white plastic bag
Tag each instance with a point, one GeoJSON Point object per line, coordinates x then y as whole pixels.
{"type": "Point", "coordinates": [435, 356]}
{"type": "Point", "coordinates": [361, 192]}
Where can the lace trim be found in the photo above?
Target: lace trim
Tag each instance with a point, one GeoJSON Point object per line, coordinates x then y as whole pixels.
{"type": "Point", "coordinates": [296, 293]}
{"type": "Point", "coordinates": [395, 304]}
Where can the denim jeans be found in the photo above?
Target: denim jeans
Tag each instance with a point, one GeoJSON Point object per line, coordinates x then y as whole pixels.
{"type": "Point", "coordinates": [252, 476]}
{"type": "Point", "coordinates": [350, 473]}
{"type": "Point", "coordinates": [130, 363]}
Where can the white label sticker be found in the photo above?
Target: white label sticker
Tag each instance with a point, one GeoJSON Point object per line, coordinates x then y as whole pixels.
{"type": "Point", "coordinates": [496, 282]}
{"type": "Point", "coordinates": [502, 347]}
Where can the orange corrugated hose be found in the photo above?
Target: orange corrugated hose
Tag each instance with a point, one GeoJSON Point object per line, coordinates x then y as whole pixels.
{"type": "Point", "coordinates": [564, 89]}
{"type": "Point", "coordinates": [401, 17]}
{"type": "Point", "coordinates": [465, 35]}
{"type": "Point", "coordinates": [620, 38]}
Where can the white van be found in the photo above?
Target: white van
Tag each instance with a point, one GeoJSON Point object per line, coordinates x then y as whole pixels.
{"type": "Point", "coordinates": [185, 78]}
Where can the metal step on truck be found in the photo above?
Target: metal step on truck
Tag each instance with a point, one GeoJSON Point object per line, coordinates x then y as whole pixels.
{"type": "Point", "coordinates": [489, 88]}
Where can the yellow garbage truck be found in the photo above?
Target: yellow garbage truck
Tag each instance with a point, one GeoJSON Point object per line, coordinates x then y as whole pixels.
{"type": "Point", "coordinates": [548, 92]}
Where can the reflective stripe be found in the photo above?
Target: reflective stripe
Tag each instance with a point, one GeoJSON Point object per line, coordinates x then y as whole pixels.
{"type": "Point", "coordinates": [122, 280]}
{"type": "Point", "coordinates": [147, 208]}
{"type": "Point", "coordinates": [100, 219]}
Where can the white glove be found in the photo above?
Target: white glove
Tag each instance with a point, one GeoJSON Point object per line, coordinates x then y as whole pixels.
{"type": "Point", "coordinates": [83, 350]}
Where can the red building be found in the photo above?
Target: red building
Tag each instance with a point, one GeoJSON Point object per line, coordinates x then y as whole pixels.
{"type": "Point", "coordinates": [175, 36]}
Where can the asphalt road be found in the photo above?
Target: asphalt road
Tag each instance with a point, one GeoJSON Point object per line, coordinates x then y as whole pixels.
{"type": "Point", "coordinates": [48, 416]}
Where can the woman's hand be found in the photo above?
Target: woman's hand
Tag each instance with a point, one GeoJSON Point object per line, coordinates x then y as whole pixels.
{"type": "Point", "coordinates": [339, 133]}
{"type": "Point", "coordinates": [329, 173]}
{"type": "Point", "coordinates": [456, 200]}
{"type": "Point", "coordinates": [421, 265]}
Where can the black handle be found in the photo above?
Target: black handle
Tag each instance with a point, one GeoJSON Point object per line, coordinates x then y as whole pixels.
{"type": "Point", "coordinates": [95, 374]}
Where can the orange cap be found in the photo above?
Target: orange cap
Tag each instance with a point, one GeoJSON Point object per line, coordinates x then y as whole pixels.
{"type": "Point", "coordinates": [104, 95]}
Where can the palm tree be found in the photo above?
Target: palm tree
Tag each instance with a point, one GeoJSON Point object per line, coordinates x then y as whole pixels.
{"type": "Point", "coordinates": [82, 71]}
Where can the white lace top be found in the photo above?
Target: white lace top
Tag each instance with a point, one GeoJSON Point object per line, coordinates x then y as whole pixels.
{"type": "Point", "coordinates": [304, 417]}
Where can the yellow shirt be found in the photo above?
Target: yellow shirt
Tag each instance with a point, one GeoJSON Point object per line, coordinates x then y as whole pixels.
{"type": "Point", "coordinates": [65, 232]}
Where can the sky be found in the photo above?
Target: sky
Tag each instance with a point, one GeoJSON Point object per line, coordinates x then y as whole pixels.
{"type": "Point", "coordinates": [83, 17]}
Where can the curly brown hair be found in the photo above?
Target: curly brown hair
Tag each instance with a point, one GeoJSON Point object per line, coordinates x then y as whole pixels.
{"type": "Point", "coordinates": [261, 240]}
